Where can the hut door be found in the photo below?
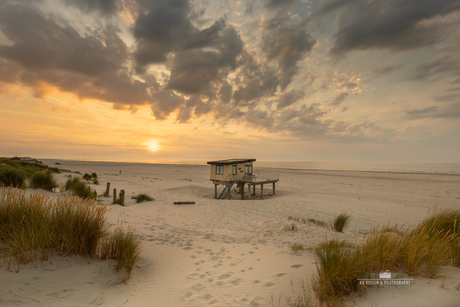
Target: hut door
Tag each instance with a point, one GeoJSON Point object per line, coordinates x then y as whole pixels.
{"type": "Point", "coordinates": [234, 170]}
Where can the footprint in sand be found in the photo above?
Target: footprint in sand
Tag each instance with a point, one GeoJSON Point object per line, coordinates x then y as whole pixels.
{"type": "Point", "coordinates": [198, 287]}
{"type": "Point", "coordinates": [269, 284]}
{"type": "Point", "coordinates": [237, 281]}
{"type": "Point", "coordinates": [224, 276]}
{"type": "Point", "coordinates": [280, 275]}
{"type": "Point", "coordinates": [296, 266]}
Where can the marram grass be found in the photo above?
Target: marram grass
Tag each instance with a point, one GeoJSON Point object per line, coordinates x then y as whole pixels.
{"type": "Point", "coordinates": [32, 226]}
{"type": "Point", "coordinates": [420, 250]}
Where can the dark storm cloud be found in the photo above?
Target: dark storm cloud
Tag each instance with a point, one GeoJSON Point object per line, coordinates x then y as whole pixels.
{"type": "Point", "coordinates": [395, 24]}
{"type": "Point", "coordinates": [45, 51]}
{"type": "Point", "coordinates": [102, 6]}
{"type": "Point", "coordinates": [41, 43]}
{"type": "Point", "coordinates": [287, 44]}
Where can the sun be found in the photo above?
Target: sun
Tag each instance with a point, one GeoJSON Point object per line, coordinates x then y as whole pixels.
{"type": "Point", "coordinates": [153, 145]}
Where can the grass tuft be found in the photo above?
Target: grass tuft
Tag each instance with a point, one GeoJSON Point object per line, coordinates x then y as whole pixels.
{"type": "Point", "coordinates": [31, 226]}
{"type": "Point", "coordinates": [123, 246]}
{"type": "Point", "coordinates": [79, 188]}
{"type": "Point", "coordinates": [340, 222]}
{"type": "Point", "coordinates": [143, 197]}
{"type": "Point", "coordinates": [11, 176]}
{"type": "Point", "coordinates": [43, 180]}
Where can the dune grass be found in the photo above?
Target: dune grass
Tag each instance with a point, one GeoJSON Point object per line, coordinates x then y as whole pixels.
{"type": "Point", "coordinates": [79, 188]}
{"type": "Point", "coordinates": [11, 176]}
{"type": "Point", "coordinates": [123, 246]}
{"type": "Point", "coordinates": [340, 222]}
{"type": "Point", "coordinates": [43, 180]}
{"type": "Point", "coordinates": [32, 226]}
{"type": "Point", "coordinates": [143, 197]}
{"type": "Point", "coordinates": [420, 250]}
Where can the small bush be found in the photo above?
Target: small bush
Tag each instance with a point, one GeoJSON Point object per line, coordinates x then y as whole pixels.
{"type": "Point", "coordinates": [291, 227]}
{"type": "Point", "coordinates": [87, 176]}
{"type": "Point", "coordinates": [340, 222]}
{"type": "Point", "coordinates": [79, 188]}
{"type": "Point", "coordinates": [43, 181]}
{"type": "Point", "coordinates": [95, 181]}
{"type": "Point", "coordinates": [143, 197]}
{"type": "Point", "coordinates": [94, 175]}
{"type": "Point", "coordinates": [11, 176]}
{"type": "Point", "coordinates": [122, 246]}
{"type": "Point", "coordinates": [297, 247]}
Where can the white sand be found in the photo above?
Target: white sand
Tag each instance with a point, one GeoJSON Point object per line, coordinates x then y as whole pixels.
{"type": "Point", "coordinates": [233, 252]}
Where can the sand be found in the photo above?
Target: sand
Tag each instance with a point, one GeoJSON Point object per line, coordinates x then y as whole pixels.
{"type": "Point", "coordinates": [234, 252]}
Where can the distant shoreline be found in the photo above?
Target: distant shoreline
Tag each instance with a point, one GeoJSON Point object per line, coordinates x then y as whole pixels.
{"type": "Point", "coordinates": [328, 166]}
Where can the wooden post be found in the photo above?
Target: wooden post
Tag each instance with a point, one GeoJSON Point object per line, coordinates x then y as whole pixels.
{"type": "Point", "coordinates": [114, 195]}
{"type": "Point", "coordinates": [108, 189]}
{"type": "Point", "coordinates": [273, 188]}
{"type": "Point", "coordinates": [215, 190]}
{"type": "Point", "coordinates": [242, 190]}
{"type": "Point", "coordinates": [229, 190]}
{"type": "Point", "coordinates": [254, 190]}
{"type": "Point", "coordinates": [262, 191]}
{"type": "Point", "coordinates": [249, 190]}
{"type": "Point", "coordinates": [122, 197]}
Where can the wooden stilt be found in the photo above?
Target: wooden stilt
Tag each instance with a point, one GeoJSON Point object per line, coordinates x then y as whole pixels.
{"type": "Point", "coordinates": [254, 190]}
{"type": "Point", "coordinates": [215, 191]}
{"type": "Point", "coordinates": [242, 190]}
{"type": "Point", "coordinates": [249, 190]}
{"type": "Point", "coordinates": [273, 188]}
{"type": "Point", "coordinates": [262, 191]}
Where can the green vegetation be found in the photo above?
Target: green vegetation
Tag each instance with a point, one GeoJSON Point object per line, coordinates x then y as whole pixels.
{"type": "Point", "coordinates": [122, 246]}
{"type": "Point", "coordinates": [143, 197]}
{"type": "Point", "coordinates": [340, 222]}
{"type": "Point", "coordinates": [297, 247]}
{"type": "Point", "coordinates": [11, 176]}
{"type": "Point", "coordinates": [421, 251]}
{"type": "Point", "coordinates": [32, 226]}
{"type": "Point", "coordinates": [79, 188]}
{"type": "Point", "coordinates": [291, 227]}
{"type": "Point", "coordinates": [87, 177]}
{"type": "Point", "coordinates": [94, 175]}
{"type": "Point", "coordinates": [43, 180]}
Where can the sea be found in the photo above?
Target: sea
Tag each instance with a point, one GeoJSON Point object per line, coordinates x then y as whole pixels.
{"type": "Point", "coordinates": [425, 168]}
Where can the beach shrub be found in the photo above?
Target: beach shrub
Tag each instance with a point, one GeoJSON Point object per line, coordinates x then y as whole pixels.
{"type": "Point", "coordinates": [94, 175]}
{"type": "Point", "coordinates": [43, 181]}
{"type": "Point", "coordinates": [33, 225]}
{"type": "Point", "coordinates": [11, 176]}
{"type": "Point", "coordinates": [123, 246]}
{"type": "Point", "coordinates": [143, 197]}
{"type": "Point", "coordinates": [420, 250]}
{"type": "Point", "coordinates": [338, 271]}
{"type": "Point", "coordinates": [87, 176]}
{"type": "Point", "coordinates": [95, 181]}
{"type": "Point", "coordinates": [340, 222]}
{"type": "Point", "coordinates": [79, 188]}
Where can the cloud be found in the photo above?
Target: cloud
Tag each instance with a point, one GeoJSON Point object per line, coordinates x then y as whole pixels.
{"type": "Point", "coordinates": [285, 43]}
{"type": "Point", "coordinates": [446, 66]}
{"type": "Point", "coordinates": [290, 97]}
{"type": "Point", "coordinates": [41, 43]}
{"type": "Point", "coordinates": [398, 25]}
{"type": "Point", "coordinates": [451, 111]}
{"type": "Point", "coordinates": [339, 99]}
{"type": "Point", "coordinates": [273, 4]}
{"type": "Point", "coordinates": [108, 7]}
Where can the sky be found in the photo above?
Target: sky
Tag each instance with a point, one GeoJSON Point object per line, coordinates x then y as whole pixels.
{"type": "Point", "coordinates": [200, 80]}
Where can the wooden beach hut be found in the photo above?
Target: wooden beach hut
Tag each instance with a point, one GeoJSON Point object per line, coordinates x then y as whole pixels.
{"type": "Point", "coordinates": [227, 173]}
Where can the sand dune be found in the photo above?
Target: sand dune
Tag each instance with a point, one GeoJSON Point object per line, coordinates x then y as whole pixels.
{"type": "Point", "coordinates": [233, 252]}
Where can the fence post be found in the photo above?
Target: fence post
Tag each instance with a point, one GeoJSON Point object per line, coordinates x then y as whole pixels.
{"type": "Point", "coordinates": [108, 189]}
{"type": "Point", "coordinates": [114, 195]}
{"type": "Point", "coordinates": [122, 197]}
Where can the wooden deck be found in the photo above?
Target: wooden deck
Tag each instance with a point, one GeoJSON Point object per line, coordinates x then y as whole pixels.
{"type": "Point", "coordinates": [250, 182]}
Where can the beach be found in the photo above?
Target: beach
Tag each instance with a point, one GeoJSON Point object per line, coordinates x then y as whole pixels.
{"type": "Point", "coordinates": [234, 252]}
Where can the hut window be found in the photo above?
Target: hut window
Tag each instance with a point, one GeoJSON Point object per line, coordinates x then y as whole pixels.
{"type": "Point", "coordinates": [219, 169]}
{"type": "Point", "coordinates": [234, 170]}
{"type": "Point", "coordinates": [248, 169]}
